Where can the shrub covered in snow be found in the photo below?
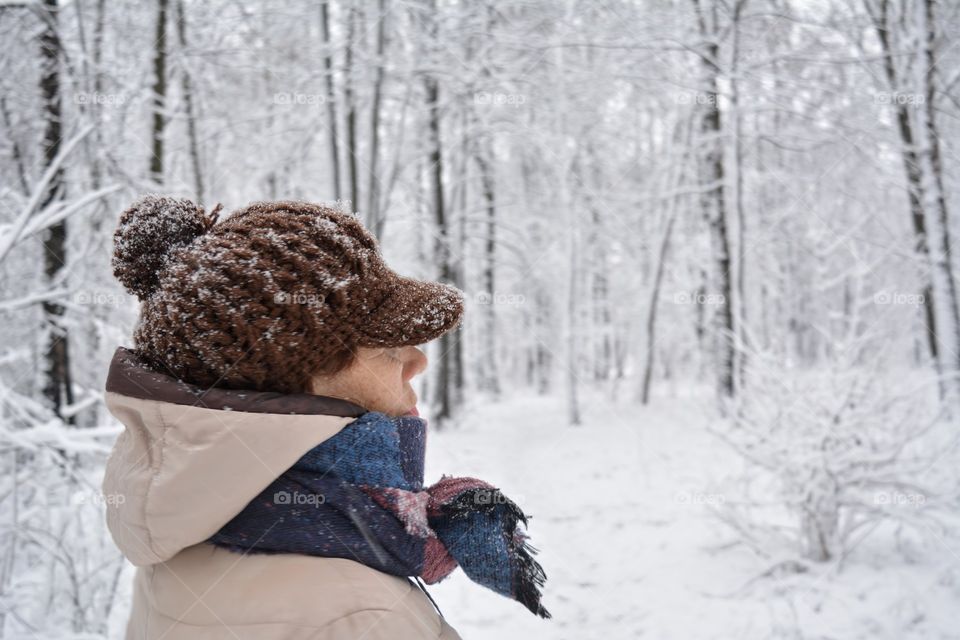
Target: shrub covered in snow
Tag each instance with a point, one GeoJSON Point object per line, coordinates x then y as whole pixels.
{"type": "Point", "coordinates": [831, 453]}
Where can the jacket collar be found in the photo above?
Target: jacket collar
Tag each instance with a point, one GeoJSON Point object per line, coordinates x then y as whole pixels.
{"type": "Point", "coordinates": [132, 376]}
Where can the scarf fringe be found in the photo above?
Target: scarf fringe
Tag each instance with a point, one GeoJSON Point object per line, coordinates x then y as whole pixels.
{"type": "Point", "coordinates": [529, 579]}
{"type": "Point", "coordinates": [528, 576]}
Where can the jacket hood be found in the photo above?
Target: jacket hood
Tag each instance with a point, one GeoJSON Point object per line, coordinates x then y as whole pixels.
{"type": "Point", "coordinates": [190, 459]}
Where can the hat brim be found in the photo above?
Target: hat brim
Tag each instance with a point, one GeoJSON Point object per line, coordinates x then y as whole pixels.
{"type": "Point", "coordinates": [414, 312]}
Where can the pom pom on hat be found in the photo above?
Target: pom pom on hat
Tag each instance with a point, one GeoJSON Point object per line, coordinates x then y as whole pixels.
{"type": "Point", "coordinates": [151, 230]}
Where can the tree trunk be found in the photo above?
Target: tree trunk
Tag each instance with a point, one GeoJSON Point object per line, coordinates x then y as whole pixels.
{"type": "Point", "coordinates": [351, 108]}
{"type": "Point", "coordinates": [491, 374]}
{"type": "Point", "coordinates": [187, 88]}
{"type": "Point", "coordinates": [651, 337]}
{"type": "Point", "coordinates": [673, 186]}
{"type": "Point", "coordinates": [449, 342]}
{"type": "Point", "coordinates": [935, 203]}
{"type": "Point", "coordinates": [938, 292]}
{"type": "Point", "coordinates": [93, 81]}
{"type": "Point", "coordinates": [58, 382]}
{"type": "Point", "coordinates": [602, 321]}
{"type": "Point", "coordinates": [333, 139]}
{"type": "Point", "coordinates": [714, 202]}
{"type": "Point", "coordinates": [374, 215]}
{"type": "Point", "coordinates": [573, 325]}
{"type": "Point", "coordinates": [741, 266]}
{"type": "Point", "coordinates": [159, 92]}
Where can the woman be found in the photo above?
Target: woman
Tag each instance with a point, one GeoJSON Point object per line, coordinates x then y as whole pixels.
{"type": "Point", "coordinates": [269, 482]}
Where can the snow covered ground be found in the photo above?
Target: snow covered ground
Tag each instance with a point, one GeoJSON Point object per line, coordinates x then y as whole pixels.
{"type": "Point", "coordinates": [622, 512]}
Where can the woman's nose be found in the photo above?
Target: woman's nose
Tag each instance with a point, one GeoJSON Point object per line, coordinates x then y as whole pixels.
{"type": "Point", "coordinates": [414, 362]}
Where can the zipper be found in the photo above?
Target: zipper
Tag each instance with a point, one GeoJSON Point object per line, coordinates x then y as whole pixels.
{"type": "Point", "coordinates": [417, 581]}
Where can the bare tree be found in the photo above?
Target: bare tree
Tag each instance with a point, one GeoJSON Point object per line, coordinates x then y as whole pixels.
{"type": "Point", "coordinates": [188, 102]}
{"type": "Point", "coordinates": [714, 199]}
{"type": "Point", "coordinates": [449, 343]}
{"type": "Point", "coordinates": [374, 214]}
{"type": "Point", "coordinates": [350, 107]}
{"type": "Point", "coordinates": [58, 386]}
{"type": "Point", "coordinates": [159, 93]}
{"type": "Point", "coordinates": [489, 370]}
{"type": "Point", "coordinates": [922, 167]}
{"type": "Point", "coordinates": [333, 140]}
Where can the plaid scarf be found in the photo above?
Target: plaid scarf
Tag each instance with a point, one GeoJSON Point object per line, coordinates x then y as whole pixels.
{"type": "Point", "coordinates": [360, 495]}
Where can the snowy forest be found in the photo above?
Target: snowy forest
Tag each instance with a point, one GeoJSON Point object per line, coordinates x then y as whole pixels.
{"type": "Point", "coordinates": [712, 336]}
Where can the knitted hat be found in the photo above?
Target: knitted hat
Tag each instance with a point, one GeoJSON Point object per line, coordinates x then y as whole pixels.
{"type": "Point", "coordinates": [268, 297]}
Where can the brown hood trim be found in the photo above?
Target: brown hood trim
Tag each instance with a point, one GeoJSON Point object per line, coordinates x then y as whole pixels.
{"type": "Point", "coordinates": [131, 376]}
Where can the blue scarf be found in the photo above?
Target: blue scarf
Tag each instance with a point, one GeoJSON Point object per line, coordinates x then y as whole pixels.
{"type": "Point", "coordinates": [359, 495]}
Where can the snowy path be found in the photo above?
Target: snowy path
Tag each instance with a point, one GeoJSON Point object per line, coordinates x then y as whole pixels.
{"type": "Point", "coordinates": [621, 513]}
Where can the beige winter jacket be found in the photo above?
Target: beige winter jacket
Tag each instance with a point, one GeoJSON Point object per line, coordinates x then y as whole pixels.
{"type": "Point", "coordinates": [187, 462]}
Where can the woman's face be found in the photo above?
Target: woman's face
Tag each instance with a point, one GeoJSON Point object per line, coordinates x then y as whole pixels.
{"type": "Point", "coordinates": [377, 379]}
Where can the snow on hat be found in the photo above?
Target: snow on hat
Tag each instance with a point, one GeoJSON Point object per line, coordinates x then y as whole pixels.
{"type": "Point", "coordinates": [268, 297]}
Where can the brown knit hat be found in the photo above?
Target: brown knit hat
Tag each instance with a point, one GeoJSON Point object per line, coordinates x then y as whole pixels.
{"type": "Point", "coordinates": [268, 297]}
